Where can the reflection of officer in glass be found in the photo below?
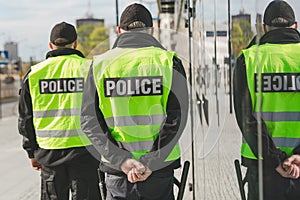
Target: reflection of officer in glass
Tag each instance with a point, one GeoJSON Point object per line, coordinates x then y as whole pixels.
{"type": "Point", "coordinates": [137, 93]}
{"type": "Point", "coordinates": [271, 69]}
{"type": "Point", "coordinates": [49, 120]}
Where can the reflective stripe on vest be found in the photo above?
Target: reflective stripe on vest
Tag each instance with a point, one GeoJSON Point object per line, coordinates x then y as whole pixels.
{"type": "Point", "coordinates": [135, 120]}
{"type": "Point", "coordinates": [57, 113]}
{"type": "Point", "coordinates": [56, 91]}
{"type": "Point", "coordinates": [279, 116]}
{"type": "Point", "coordinates": [278, 74]}
{"type": "Point", "coordinates": [133, 86]}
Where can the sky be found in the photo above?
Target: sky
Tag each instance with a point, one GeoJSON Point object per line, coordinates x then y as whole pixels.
{"type": "Point", "coordinates": [28, 22]}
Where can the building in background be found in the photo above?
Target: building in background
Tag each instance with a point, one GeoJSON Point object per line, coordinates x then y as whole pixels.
{"type": "Point", "coordinates": [258, 18]}
{"type": "Point", "coordinates": [167, 24]}
{"type": "Point", "coordinates": [89, 19]}
{"type": "Point", "coordinates": [242, 16]}
{"type": "Point", "coordinates": [12, 48]}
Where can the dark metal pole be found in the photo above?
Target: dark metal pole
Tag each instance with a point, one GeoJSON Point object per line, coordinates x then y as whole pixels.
{"type": "Point", "coordinates": [241, 182]}
{"type": "Point", "coordinates": [190, 35]}
{"type": "Point", "coordinates": [117, 13]}
{"type": "Point", "coordinates": [184, 176]}
{"type": "Point", "coordinates": [229, 55]}
{"type": "Point", "coordinates": [102, 184]}
{"type": "Point", "coordinates": [216, 62]}
{"type": "Point", "coordinates": [20, 69]}
{"type": "Point", "coordinates": [0, 95]}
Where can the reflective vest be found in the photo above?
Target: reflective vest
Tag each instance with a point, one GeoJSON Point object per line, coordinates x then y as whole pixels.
{"type": "Point", "coordinates": [275, 71]}
{"type": "Point", "coordinates": [133, 86]}
{"type": "Point", "coordinates": [56, 87]}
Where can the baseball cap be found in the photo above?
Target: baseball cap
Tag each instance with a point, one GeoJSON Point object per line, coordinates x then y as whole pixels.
{"type": "Point", "coordinates": [276, 9]}
{"type": "Point", "coordinates": [63, 34]}
{"type": "Point", "coordinates": [133, 13]}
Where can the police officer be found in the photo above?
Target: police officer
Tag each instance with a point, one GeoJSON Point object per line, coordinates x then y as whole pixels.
{"type": "Point", "coordinates": [266, 90]}
{"type": "Point", "coordinates": [137, 93]}
{"type": "Point", "coordinates": [49, 120]}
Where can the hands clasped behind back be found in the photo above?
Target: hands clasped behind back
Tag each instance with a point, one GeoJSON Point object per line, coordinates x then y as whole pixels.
{"type": "Point", "coordinates": [290, 168]}
{"type": "Point", "coordinates": [135, 170]}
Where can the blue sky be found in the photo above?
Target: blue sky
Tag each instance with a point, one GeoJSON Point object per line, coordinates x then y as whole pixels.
{"type": "Point", "coordinates": [29, 22]}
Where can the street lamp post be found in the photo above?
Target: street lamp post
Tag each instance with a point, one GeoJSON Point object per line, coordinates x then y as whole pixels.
{"type": "Point", "coordinates": [0, 95]}
{"type": "Point", "coordinates": [117, 13]}
{"type": "Point", "coordinates": [1, 90]}
{"type": "Point", "coordinates": [230, 63]}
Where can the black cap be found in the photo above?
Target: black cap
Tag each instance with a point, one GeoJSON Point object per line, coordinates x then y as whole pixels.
{"type": "Point", "coordinates": [133, 13]}
{"type": "Point", "coordinates": [276, 9]}
{"type": "Point", "coordinates": [63, 34]}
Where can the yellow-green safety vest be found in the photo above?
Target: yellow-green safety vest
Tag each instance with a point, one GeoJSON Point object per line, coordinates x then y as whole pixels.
{"type": "Point", "coordinates": [56, 87]}
{"type": "Point", "coordinates": [276, 69]}
{"type": "Point", "coordinates": [133, 86]}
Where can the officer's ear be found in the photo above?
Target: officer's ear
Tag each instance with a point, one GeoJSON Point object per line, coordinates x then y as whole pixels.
{"type": "Point", "coordinates": [119, 30]}
{"type": "Point", "coordinates": [75, 44]}
{"type": "Point", "coordinates": [265, 28]}
{"type": "Point", "coordinates": [51, 45]}
{"type": "Point", "coordinates": [152, 30]}
{"type": "Point", "coordinates": [296, 25]}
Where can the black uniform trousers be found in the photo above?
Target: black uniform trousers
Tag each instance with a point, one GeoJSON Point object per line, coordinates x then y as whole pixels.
{"type": "Point", "coordinates": [158, 186]}
{"type": "Point", "coordinates": [275, 186]}
{"type": "Point", "coordinates": [78, 176]}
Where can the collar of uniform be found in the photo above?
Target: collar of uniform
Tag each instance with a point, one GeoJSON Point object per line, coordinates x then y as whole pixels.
{"type": "Point", "coordinates": [63, 52]}
{"type": "Point", "coordinates": [281, 36]}
{"type": "Point", "coordinates": [133, 39]}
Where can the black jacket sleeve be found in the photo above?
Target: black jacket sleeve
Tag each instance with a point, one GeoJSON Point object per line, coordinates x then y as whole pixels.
{"type": "Point", "coordinates": [95, 128]}
{"type": "Point", "coordinates": [177, 109]}
{"type": "Point", "coordinates": [25, 120]}
{"type": "Point", "coordinates": [247, 123]}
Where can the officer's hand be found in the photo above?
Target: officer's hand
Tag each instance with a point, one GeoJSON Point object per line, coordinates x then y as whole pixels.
{"type": "Point", "coordinates": [132, 163]}
{"type": "Point", "coordinates": [35, 164]}
{"type": "Point", "coordinates": [134, 176]}
{"type": "Point", "coordinates": [292, 171]}
{"type": "Point", "coordinates": [145, 175]}
{"type": "Point", "coordinates": [294, 159]}
{"type": "Point", "coordinates": [292, 166]}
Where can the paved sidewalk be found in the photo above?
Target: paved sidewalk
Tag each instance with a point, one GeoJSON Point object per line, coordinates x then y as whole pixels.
{"type": "Point", "coordinates": [216, 148]}
{"type": "Point", "coordinates": [18, 180]}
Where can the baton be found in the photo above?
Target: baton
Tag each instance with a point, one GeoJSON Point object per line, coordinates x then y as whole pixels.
{"type": "Point", "coordinates": [102, 185]}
